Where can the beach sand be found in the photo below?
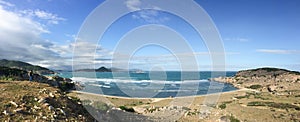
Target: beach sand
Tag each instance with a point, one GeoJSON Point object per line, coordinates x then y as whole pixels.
{"type": "Point", "coordinates": [192, 108]}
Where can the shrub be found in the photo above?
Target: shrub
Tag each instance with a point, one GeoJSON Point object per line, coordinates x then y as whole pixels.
{"type": "Point", "coordinates": [233, 119]}
{"type": "Point", "coordinates": [255, 86]}
{"type": "Point", "coordinates": [222, 106]}
{"type": "Point", "coordinates": [66, 86]}
{"type": "Point", "coordinates": [126, 109]}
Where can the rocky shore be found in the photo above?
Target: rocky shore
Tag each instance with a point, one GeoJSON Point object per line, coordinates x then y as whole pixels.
{"type": "Point", "coordinates": [273, 80]}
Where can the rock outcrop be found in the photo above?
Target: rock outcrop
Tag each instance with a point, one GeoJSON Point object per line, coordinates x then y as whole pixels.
{"type": "Point", "coordinates": [264, 79]}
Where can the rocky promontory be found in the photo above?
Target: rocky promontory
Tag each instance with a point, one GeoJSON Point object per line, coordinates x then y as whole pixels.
{"type": "Point", "coordinates": [273, 80]}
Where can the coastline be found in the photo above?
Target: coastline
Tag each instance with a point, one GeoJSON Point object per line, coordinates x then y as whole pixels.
{"type": "Point", "coordinates": [262, 97]}
{"type": "Point", "coordinates": [204, 95]}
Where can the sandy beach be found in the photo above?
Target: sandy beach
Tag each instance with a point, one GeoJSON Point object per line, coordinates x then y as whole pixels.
{"type": "Point", "coordinates": [172, 105]}
{"type": "Point", "coordinates": [229, 105]}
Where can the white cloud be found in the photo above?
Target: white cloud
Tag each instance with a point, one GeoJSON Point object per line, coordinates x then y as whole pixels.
{"type": "Point", "coordinates": [238, 39]}
{"type": "Point", "coordinates": [277, 51]}
{"type": "Point", "coordinates": [21, 40]}
{"type": "Point", "coordinates": [148, 14]}
{"type": "Point", "coordinates": [43, 15]}
{"type": "Point", "coordinates": [6, 3]}
{"type": "Point", "coordinates": [133, 5]}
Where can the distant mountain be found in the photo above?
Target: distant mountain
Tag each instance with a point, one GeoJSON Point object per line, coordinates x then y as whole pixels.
{"type": "Point", "coordinates": [25, 66]}
{"type": "Point", "coordinates": [101, 69]}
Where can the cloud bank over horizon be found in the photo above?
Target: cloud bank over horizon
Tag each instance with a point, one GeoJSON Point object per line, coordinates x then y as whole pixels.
{"type": "Point", "coordinates": [21, 38]}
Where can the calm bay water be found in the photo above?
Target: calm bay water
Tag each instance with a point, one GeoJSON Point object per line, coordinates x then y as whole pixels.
{"type": "Point", "coordinates": [150, 84]}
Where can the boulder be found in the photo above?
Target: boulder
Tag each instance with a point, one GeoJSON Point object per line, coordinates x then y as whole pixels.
{"type": "Point", "coordinates": [272, 88]}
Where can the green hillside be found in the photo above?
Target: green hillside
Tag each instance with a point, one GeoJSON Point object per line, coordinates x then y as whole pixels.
{"type": "Point", "coordinates": [25, 66]}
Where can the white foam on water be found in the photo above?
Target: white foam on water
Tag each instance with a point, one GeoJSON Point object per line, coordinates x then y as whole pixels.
{"type": "Point", "coordinates": [108, 81]}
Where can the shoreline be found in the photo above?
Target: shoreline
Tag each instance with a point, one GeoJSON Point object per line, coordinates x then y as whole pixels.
{"type": "Point", "coordinates": [180, 97]}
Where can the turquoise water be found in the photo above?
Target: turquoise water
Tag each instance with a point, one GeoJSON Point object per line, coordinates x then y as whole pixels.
{"type": "Point", "coordinates": [150, 84]}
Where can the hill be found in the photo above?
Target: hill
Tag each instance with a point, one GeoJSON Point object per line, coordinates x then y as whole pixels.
{"type": "Point", "coordinates": [101, 69]}
{"type": "Point", "coordinates": [33, 101]}
{"type": "Point", "coordinates": [25, 66]}
{"type": "Point", "coordinates": [275, 80]}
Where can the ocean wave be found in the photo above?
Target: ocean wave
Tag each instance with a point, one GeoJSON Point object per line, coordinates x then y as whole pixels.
{"type": "Point", "coordinates": [108, 81]}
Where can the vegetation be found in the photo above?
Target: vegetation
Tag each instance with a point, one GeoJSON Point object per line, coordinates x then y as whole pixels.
{"type": "Point", "coordinates": [255, 86]}
{"type": "Point", "coordinates": [233, 119]}
{"type": "Point", "coordinates": [100, 106]}
{"type": "Point", "coordinates": [222, 106]}
{"type": "Point", "coordinates": [24, 66]}
{"type": "Point", "coordinates": [66, 86]}
{"type": "Point", "coordinates": [31, 101]}
{"type": "Point", "coordinates": [274, 105]}
{"type": "Point", "coordinates": [126, 109]}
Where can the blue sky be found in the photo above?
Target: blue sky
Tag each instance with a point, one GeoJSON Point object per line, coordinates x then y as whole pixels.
{"type": "Point", "coordinates": [255, 33]}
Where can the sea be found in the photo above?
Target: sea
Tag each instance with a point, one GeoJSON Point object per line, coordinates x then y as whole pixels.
{"type": "Point", "coordinates": [155, 84]}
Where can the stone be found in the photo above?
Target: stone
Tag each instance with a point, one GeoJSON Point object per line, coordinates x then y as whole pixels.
{"type": "Point", "coordinates": [272, 88]}
{"type": "Point", "coordinates": [13, 103]}
{"type": "Point", "coordinates": [224, 119]}
{"type": "Point", "coordinates": [51, 108]}
{"type": "Point", "coordinates": [42, 100]}
{"type": "Point", "coordinates": [51, 95]}
{"type": "Point", "coordinates": [5, 112]}
{"type": "Point", "coordinates": [18, 110]}
{"type": "Point", "coordinates": [35, 107]}
{"type": "Point", "coordinates": [46, 104]}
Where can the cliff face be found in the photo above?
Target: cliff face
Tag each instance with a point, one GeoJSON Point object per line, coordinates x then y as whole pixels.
{"type": "Point", "coordinates": [265, 79]}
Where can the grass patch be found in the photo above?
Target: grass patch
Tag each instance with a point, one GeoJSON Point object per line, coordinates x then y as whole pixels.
{"type": "Point", "coordinates": [100, 106]}
{"type": "Point", "coordinates": [274, 105]}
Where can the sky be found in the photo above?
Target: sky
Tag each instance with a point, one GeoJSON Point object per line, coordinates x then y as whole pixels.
{"type": "Point", "coordinates": [254, 33]}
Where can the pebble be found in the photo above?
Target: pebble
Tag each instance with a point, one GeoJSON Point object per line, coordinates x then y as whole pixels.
{"type": "Point", "coordinates": [5, 112]}
{"type": "Point", "coordinates": [35, 107]}
{"type": "Point", "coordinates": [50, 108]}
{"type": "Point", "coordinates": [42, 100]}
{"type": "Point", "coordinates": [51, 95]}
{"type": "Point", "coordinates": [19, 110]}
{"type": "Point", "coordinates": [13, 103]}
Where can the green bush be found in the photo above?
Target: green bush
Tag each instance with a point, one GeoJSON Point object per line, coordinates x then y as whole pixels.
{"type": "Point", "coordinates": [233, 119]}
{"type": "Point", "coordinates": [126, 109]}
{"type": "Point", "coordinates": [66, 86]}
{"type": "Point", "coordinates": [255, 86]}
{"type": "Point", "coordinates": [222, 106]}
